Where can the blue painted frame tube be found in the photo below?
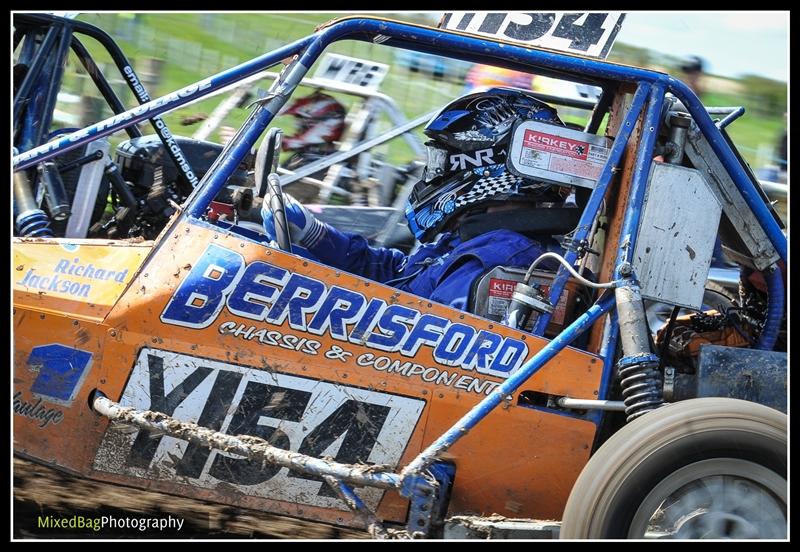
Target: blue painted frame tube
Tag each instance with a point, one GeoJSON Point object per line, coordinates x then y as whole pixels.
{"type": "Point", "coordinates": [731, 117]}
{"type": "Point", "coordinates": [731, 164]}
{"type": "Point", "coordinates": [445, 43]}
{"type": "Point", "coordinates": [235, 151]}
{"type": "Point", "coordinates": [608, 351]}
{"type": "Point", "coordinates": [641, 172]}
{"type": "Point", "coordinates": [28, 132]}
{"type": "Point", "coordinates": [227, 161]}
{"type": "Point", "coordinates": [40, 57]}
{"type": "Point", "coordinates": [53, 80]}
{"type": "Point", "coordinates": [592, 209]}
{"type": "Point", "coordinates": [27, 50]}
{"type": "Point", "coordinates": [219, 173]}
{"type": "Point", "coordinates": [482, 409]}
{"type": "Point", "coordinates": [158, 106]}
{"type": "Point", "coordinates": [476, 49]}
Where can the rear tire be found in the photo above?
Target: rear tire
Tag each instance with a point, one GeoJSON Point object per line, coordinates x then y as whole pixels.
{"type": "Point", "coordinates": [713, 467]}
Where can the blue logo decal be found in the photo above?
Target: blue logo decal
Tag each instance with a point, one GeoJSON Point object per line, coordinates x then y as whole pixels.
{"type": "Point", "coordinates": [262, 292]}
{"type": "Point", "coordinates": [61, 371]}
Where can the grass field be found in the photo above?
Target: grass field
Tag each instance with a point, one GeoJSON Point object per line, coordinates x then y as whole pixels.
{"type": "Point", "coordinates": [194, 46]}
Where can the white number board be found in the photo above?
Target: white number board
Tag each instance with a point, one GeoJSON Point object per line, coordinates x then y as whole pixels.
{"type": "Point", "coordinates": [309, 416]}
{"type": "Point", "coordinates": [350, 70]}
{"type": "Point", "coordinates": [585, 33]}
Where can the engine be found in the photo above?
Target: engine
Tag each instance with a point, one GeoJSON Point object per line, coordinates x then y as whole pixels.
{"type": "Point", "coordinates": [133, 196]}
{"type": "Point", "coordinates": [157, 186]}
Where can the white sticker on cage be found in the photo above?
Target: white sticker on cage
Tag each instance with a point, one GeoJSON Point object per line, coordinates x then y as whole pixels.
{"type": "Point", "coordinates": [557, 154]}
{"type": "Point", "coordinates": [588, 34]}
{"type": "Point", "coordinates": [345, 69]}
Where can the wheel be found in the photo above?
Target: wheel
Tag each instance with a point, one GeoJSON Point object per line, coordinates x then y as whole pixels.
{"type": "Point", "coordinates": [701, 468]}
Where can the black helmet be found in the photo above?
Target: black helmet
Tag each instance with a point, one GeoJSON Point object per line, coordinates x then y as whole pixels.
{"type": "Point", "coordinates": [466, 165]}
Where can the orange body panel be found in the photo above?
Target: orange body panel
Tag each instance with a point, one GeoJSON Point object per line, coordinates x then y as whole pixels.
{"type": "Point", "coordinates": [56, 440]}
{"type": "Point", "coordinates": [520, 461]}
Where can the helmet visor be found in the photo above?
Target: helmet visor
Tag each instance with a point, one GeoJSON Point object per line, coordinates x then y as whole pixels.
{"type": "Point", "coordinates": [435, 163]}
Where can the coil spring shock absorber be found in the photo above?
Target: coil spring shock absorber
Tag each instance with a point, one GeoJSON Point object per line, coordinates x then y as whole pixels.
{"type": "Point", "coordinates": [638, 369]}
{"type": "Point", "coordinates": [31, 221]}
{"type": "Point", "coordinates": [641, 384]}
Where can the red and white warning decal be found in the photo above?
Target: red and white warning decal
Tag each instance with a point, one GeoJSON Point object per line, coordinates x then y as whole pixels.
{"type": "Point", "coordinates": [557, 154]}
{"type": "Point", "coordinates": [555, 144]}
{"type": "Point", "coordinates": [500, 292]}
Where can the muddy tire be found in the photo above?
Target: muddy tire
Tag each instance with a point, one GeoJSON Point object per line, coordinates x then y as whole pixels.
{"type": "Point", "coordinates": [709, 467]}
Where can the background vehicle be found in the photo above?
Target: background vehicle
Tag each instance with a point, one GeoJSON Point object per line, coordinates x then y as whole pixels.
{"type": "Point", "coordinates": [207, 325]}
{"type": "Point", "coordinates": [438, 67]}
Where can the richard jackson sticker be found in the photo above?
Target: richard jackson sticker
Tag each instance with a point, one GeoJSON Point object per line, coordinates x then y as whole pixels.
{"type": "Point", "coordinates": [88, 274]}
{"type": "Point", "coordinates": [312, 417]}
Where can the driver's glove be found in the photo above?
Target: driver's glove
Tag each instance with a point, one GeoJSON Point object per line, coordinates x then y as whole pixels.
{"type": "Point", "coordinates": [304, 228]}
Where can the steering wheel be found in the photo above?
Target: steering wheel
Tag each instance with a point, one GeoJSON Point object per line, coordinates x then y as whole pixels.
{"type": "Point", "coordinates": [268, 186]}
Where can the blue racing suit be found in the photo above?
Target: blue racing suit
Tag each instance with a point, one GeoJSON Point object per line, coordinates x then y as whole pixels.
{"type": "Point", "coordinates": [442, 271]}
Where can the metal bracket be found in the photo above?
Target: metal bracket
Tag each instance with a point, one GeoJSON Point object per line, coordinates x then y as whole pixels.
{"type": "Point", "coordinates": [669, 383]}
{"type": "Point", "coordinates": [421, 491]}
{"type": "Point", "coordinates": [580, 247]}
{"type": "Point", "coordinates": [428, 494]}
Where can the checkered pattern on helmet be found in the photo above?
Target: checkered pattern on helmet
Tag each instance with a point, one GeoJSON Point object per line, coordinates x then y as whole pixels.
{"type": "Point", "coordinates": [488, 187]}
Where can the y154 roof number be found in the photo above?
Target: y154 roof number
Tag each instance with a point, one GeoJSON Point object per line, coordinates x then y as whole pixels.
{"type": "Point", "coordinates": [590, 34]}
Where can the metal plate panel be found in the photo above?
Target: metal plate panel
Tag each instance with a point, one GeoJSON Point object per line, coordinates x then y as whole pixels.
{"type": "Point", "coordinates": [676, 236]}
{"type": "Point", "coordinates": [753, 247]}
{"type": "Point", "coordinates": [747, 374]}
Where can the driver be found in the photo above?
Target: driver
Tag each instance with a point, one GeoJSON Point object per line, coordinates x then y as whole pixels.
{"type": "Point", "coordinates": [465, 176]}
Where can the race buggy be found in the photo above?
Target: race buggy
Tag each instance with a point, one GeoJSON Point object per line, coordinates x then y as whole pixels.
{"type": "Point", "coordinates": [161, 345]}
